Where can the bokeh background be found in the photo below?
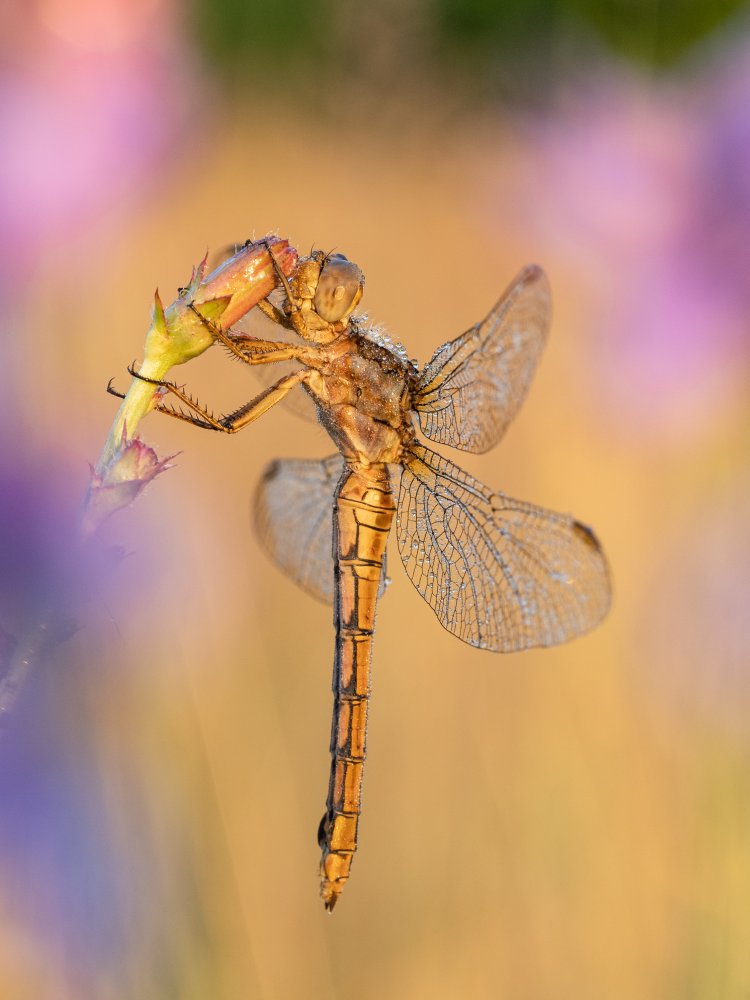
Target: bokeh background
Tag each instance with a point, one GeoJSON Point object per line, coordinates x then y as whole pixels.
{"type": "Point", "coordinates": [562, 823]}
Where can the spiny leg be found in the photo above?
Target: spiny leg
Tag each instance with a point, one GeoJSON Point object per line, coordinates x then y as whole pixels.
{"type": "Point", "coordinates": [281, 276]}
{"type": "Point", "coordinates": [232, 422]}
{"type": "Point", "coordinates": [255, 351]}
{"type": "Point", "coordinates": [267, 352]}
{"type": "Point", "coordinates": [112, 391]}
{"type": "Point", "coordinates": [200, 416]}
{"type": "Point", "coordinates": [218, 333]}
{"type": "Point", "coordinates": [265, 400]}
{"type": "Point", "coordinates": [170, 411]}
{"type": "Point", "coordinates": [275, 314]}
{"type": "Point", "coordinates": [296, 319]}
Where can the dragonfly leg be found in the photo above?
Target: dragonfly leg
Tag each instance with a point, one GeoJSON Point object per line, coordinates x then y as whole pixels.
{"type": "Point", "coordinates": [231, 422]}
{"type": "Point", "coordinates": [252, 350]}
{"type": "Point", "coordinates": [245, 415]}
{"type": "Point", "coordinates": [112, 391]}
{"type": "Point", "coordinates": [199, 415]}
{"type": "Point", "coordinates": [295, 321]}
{"type": "Point", "coordinates": [274, 313]}
{"type": "Point", "coordinates": [218, 333]}
{"type": "Point", "coordinates": [296, 318]}
{"type": "Point", "coordinates": [266, 307]}
{"type": "Point", "coordinates": [267, 352]}
{"type": "Point", "coordinates": [283, 281]}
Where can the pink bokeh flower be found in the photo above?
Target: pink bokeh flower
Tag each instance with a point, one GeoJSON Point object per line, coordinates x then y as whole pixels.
{"type": "Point", "coordinates": [93, 97]}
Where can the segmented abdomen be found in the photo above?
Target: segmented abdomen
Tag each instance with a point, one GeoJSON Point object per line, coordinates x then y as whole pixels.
{"type": "Point", "coordinates": [362, 518]}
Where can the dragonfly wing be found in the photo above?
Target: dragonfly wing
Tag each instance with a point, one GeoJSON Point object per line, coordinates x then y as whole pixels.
{"type": "Point", "coordinates": [499, 573]}
{"type": "Point", "coordinates": [473, 386]}
{"type": "Point", "coordinates": [294, 519]}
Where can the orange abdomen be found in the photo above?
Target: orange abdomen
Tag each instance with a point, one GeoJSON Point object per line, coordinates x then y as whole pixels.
{"type": "Point", "coordinates": [362, 519]}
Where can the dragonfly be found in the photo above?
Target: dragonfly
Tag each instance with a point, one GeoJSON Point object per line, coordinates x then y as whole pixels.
{"type": "Point", "coordinates": [500, 574]}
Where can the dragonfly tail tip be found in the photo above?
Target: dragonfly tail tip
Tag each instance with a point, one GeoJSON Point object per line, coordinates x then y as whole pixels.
{"type": "Point", "coordinates": [330, 896]}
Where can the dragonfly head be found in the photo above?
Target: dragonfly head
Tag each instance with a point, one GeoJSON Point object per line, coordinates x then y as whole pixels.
{"type": "Point", "coordinates": [327, 288]}
{"type": "Point", "coordinates": [339, 288]}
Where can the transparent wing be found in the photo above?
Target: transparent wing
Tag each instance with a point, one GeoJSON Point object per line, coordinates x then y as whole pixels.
{"type": "Point", "coordinates": [499, 573]}
{"type": "Point", "coordinates": [473, 386]}
{"type": "Point", "coordinates": [294, 518]}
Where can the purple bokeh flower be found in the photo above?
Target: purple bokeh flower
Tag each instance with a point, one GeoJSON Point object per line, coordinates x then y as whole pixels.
{"type": "Point", "coordinates": [56, 865]}
{"type": "Point", "coordinates": [646, 189]}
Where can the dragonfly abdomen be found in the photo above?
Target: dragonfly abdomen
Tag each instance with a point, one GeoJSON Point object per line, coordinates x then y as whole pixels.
{"type": "Point", "coordinates": [362, 519]}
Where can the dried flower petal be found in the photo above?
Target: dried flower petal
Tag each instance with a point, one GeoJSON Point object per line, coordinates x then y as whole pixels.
{"type": "Point", "coordinates": [120, 481]}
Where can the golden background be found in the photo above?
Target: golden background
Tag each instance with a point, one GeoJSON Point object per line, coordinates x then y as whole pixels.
{"type": "Point", "coordinates": [560, 823]}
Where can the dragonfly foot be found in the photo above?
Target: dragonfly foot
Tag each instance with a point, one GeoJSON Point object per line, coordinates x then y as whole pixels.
{"type": "Point", "coordinates": [151, 381]}
{"type": "Point", "coordinates": [112, 391]}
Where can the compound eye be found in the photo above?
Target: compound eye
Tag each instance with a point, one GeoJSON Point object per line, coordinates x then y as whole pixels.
{"type": "Point", "coordinates": [339, 288]}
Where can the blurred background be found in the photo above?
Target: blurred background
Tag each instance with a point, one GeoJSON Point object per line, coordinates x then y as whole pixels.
{"type": "Point", "coordinates": [572, 822]}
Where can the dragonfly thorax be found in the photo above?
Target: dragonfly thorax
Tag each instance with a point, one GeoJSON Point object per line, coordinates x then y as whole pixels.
{"type": "Point", "coordinates": [364, 400]}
